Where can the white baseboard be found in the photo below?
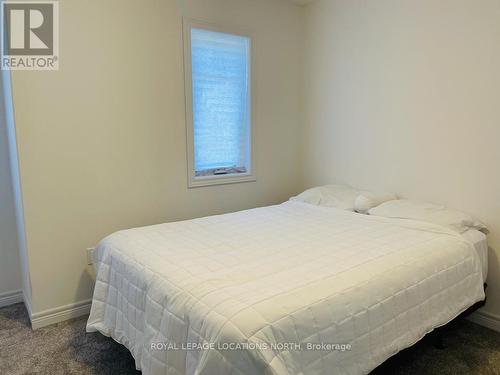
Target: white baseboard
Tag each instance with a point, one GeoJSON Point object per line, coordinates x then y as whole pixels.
{"type": "Point", "coordinates": [60, 314]}
{"type": "Point", "coordinates": [10, 298]}
{"type": "Point", "coordinates": [486, 319]}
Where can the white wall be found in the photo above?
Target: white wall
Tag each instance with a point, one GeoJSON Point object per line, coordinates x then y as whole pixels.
{"type": "Point", "coordinates": [102, 141]}
{"type": "Point", "coordinates": [398, 95]}
{"type": "Point", "coordinates": [404, 96]}
{"type": "Point", "coordinates": [10, 274]}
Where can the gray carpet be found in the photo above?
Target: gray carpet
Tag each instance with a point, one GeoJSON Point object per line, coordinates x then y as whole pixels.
{"type": "Point", "coordinates": [65, 348]}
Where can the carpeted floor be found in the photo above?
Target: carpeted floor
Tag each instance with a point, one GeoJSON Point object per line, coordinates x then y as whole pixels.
{"type": "Point", "coordinates": [65, 348]}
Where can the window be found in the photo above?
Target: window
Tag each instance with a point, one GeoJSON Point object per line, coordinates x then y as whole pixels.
{"type": "Point", "coordinates": [218, 105]}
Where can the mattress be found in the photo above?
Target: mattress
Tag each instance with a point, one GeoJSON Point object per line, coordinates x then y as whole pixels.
{"type": "Point", "coordinates": [286, 289]}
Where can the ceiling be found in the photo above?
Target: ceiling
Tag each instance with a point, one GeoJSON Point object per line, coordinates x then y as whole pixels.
{"type": "Point", "coordinates": [301, 2]}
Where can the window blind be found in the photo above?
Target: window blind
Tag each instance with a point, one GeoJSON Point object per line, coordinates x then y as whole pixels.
{"type": "Point", "coordinates": [221, 119]}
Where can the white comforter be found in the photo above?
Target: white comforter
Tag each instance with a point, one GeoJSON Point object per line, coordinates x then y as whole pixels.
{"type": "Point", "coordinates": [181, 295]}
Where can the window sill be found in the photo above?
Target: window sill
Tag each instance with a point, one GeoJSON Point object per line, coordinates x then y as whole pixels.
{"type": "Point", "coordinates": [195, 182]}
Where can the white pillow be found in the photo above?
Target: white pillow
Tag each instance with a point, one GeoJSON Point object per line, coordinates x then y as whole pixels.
{"type": "Point", "coordinates": [367, 200]}
{"type": "Point", "coordinates": [433, 213]}
{"type": "Point", "coordinates": [338, 196]}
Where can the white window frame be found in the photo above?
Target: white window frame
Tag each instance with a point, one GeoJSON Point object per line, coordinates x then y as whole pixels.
{"type": "Point", "coordinates": [198, 181]}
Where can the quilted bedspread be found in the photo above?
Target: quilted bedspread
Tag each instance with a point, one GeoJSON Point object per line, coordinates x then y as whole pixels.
{"type": "Point", "coordinates": [286, 289]}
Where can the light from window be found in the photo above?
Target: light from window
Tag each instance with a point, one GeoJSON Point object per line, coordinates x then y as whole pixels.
{"type": "Point", "coordinates": [221, 109]}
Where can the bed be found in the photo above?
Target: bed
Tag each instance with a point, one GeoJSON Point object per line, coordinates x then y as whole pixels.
{"type": "Point", "coordinates": [287, 289]}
